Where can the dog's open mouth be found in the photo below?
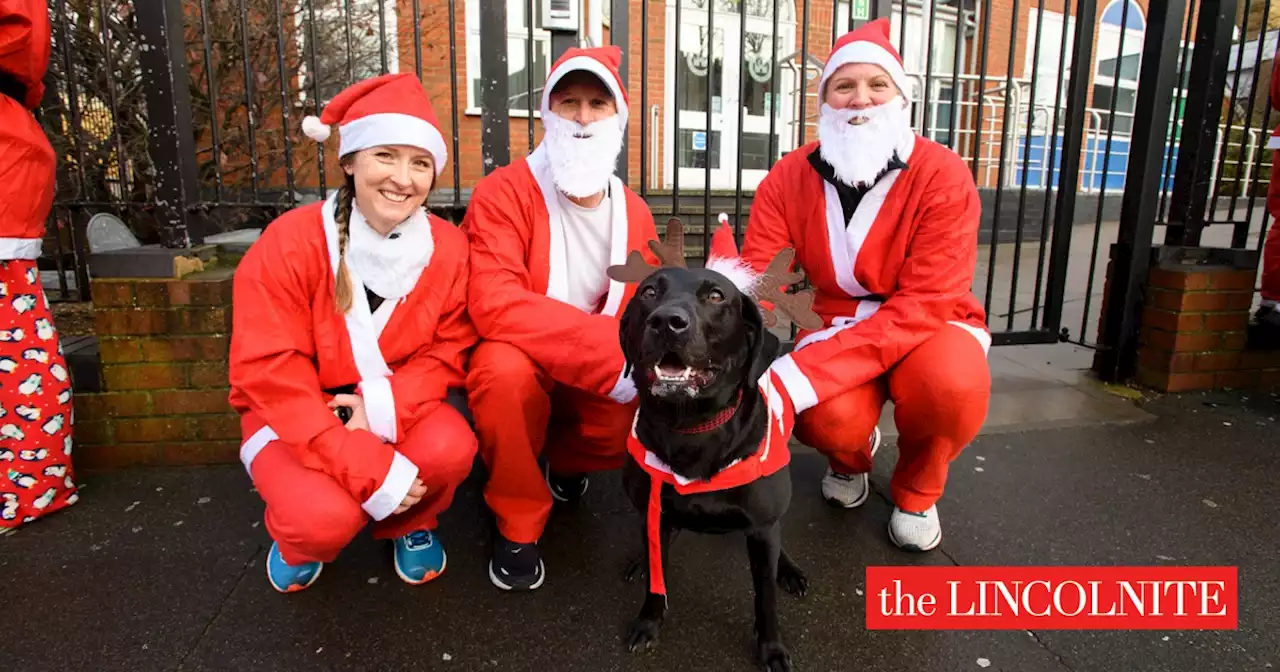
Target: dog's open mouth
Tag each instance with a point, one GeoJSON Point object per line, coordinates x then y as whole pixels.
{"type": "Point", "coordinates": [671, 376]}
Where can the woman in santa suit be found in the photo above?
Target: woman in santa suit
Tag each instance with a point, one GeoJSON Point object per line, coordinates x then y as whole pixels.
{"type": "Point", "coordinates": [36, 477]}
{"type": "Point", "coordinates": [885, 225]}
{"type": "Point", "coordinates": [1267, 317]}
{"type": "Point", "coordinates": [357, 303]}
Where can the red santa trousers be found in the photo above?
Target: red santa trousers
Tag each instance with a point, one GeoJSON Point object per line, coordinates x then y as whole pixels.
{"type": "Point", "coordinates": [36, 476]}
{"type": "Point", "coordinates": [1271, 249]}
{"type": "Point", "coordinates": [518, 410]}
{"type": "Point", "coordinates": [940, 393]}
{"type": "Point", "coordinates": [313, 518]}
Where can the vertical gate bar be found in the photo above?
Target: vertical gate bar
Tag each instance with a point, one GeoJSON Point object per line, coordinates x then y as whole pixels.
{"type": "Point", "coordinates": [675, 111]}
{"type": "Point", "coordinates": [213, 95]}
{"type": "Point", "coordinates": [495, 134]}
{"type": "Point", "coordinates": [955, 75]}
{"type": "Point", "coordinates": [1240, 236]}
{"type": "Point", "coordinates": [1207, 83]}
{"type": "Point", "coordinates": [644, 100]}
{"type": "Point", "coordinates": [1051, 136]}
{"type": "Point", "coordinates": [251, 119]}
{"type": "Point", "coordinates": [121, 173]}
{"type": "Point", "coordinates": [804, 72]}
{"type": "Point", "coordinates": [620, 34]}
{"type": "Point", "coordinates": [1004, 146]}
{"type": "Point", "coordinates": [1106, 169]}
{"type": "Point", "coordinates": [1069, 180]}
{"type": "Point", "coordinates": [351, 69]}
{"type": "Point", "coordinates": [742, 88]}
{"type": "Point", "coordinates": [73, 103]}
{"type": "Point", "coordinates": [1231, 115]}
{"type": "Point", "coordinates": [453, 103]}
{"type": "Point", "coordinates": [982, 82]}
{"type": "Point", "coordinates": [775, 101]}
{"type": "Point", "coordinates": [382, 35]}
{"type": "Point", "coordinates": [1174, 132]}
{"type": "Point", "coordinates": [171, 137]}
{"type": "Point", "coordinates": [1131, 257]}
{"type": "Point", "coordinates": [323, 186]}
{"type": "Point", "coordinates": [927, 115]}
{"type": "Point", "coordinates": [835, 11]}
{"type": "Point", "coordinates": [528, 71]}
{"type": "Point", "coordinates": [711, 69]}
{"type": "Point", "coordinates": [417, 39]}
{"type": "Point", "coordinates": [286, 128]}
{"type": "Point", "coordinates": [1026, 162]}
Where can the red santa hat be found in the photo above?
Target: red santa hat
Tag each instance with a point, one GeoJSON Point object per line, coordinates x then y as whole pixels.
{"type": "Point", "coordinates": [869, 43]}
{"type": "Point", "coordinates": [387, 110]}
{"type": "Point", "coordinates": [603, 62]}
{"type": "Point", "coordinates": [723, 258]}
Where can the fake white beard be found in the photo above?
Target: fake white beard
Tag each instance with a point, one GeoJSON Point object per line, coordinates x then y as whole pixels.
{"type": "Point", "coordinates": [388, 266]}
{"type": "Point", "coordinates": [582, 158]}
{"type": "Point", "coordinates": [859, 153]}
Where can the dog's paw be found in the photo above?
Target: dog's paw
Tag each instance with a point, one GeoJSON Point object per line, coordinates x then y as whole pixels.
{"type": "Point", "coordinates": [775, 657]}
{"type": "Point", "coordinates": [792, 580]}
{"type": "Point", "coordinates": [643, 635]}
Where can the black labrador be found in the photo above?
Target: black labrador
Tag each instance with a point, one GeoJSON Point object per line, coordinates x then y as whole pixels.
{"type": "Point", "coordinates": [696, 347]}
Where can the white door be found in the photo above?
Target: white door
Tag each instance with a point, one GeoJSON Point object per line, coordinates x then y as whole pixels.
{"type": "Point", "coordinates": [732, 60]}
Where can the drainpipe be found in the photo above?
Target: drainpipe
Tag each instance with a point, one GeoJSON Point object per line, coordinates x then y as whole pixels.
{"type": "Point", "coordinates": [595, 21]}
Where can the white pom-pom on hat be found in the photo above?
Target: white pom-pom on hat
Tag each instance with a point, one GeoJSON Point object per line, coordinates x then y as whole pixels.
{"type": "Point", "coordinates": [315, 129]}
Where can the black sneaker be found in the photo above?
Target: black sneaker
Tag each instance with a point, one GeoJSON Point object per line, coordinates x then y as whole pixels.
{"type": "Point", "coordinates": [515, 566]}
{"type": "Point", "coordinates": [568, 489]}
{"type": "Point", "coordinates": [1264, 329]}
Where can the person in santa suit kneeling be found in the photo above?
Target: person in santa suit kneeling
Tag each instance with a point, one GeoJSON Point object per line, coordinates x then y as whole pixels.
{"type": "Point", "coordinates": [356, 307]}
{"type": "Point", "coordinates": [547, 377]}
{"type": "Point", "coordinates": [1267, 318]}
{"type": "Point", "coordinates": [885, 225]}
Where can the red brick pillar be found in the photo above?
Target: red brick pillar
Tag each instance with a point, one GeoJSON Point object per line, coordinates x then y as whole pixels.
{"type": "Point", "coordinates": [163, 345]}
{"type": "Point", "coordinates": [1193, 336]}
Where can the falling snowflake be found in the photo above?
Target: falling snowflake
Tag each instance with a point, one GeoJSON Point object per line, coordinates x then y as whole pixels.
{"type": "Point", "coordinates": [1210, 503]}
{"type": "Point", "coordinates": [447, 657]}
{"type": "Point", "coordinates": [178, 524]}
{"type": "Point", "coordinates": [977, 469]}
{"type": "Point", "coordinates": [983, 662]}
{"type": "Point", "coordinates": [982, 459]}
{"type": "Point", "coordinates": [132, 507]}
{"type": "Point", "coordinates": [204, 500]}
{"type": "Point", "coordinates": [373, 580]}
{"type": "Point", "coordinates": [137, 529]}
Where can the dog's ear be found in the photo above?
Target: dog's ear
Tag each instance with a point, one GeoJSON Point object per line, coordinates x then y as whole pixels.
{"type": "Point", "coordinates": [625, 337]}
{"type": "Point", "coordinates": [762, 345]}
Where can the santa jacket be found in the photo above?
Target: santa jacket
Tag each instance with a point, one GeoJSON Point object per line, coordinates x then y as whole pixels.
{"type": "Point", "coordinates": [899, 270]}
{"type": "Point", "coordinates": [290, 345]}
{"type": "Point", "coordinates": [26, 158]}
{"type": "Point", "coordinates": [519, 271]}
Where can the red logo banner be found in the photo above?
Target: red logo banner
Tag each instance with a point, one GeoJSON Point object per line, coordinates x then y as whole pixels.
{"type": "Point", "coordinates": [1051, 598]}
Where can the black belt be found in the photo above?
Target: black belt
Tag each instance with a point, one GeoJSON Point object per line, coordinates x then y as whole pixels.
{"type": "Point", "coordinates": [10, 86]}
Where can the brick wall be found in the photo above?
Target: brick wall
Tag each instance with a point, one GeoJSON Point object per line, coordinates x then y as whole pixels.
{"type": "Point", "coordinates": [163, 346]}
{"type": "Point", "coordinates": [1193, 333]}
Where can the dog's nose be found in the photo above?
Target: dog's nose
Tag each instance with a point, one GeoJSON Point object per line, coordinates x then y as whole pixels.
{"type": "Point", "coordinates": [669, 318]}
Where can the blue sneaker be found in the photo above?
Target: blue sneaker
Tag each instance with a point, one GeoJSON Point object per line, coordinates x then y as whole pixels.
{"type": "Point", "coordinates": [419, 557]}
{"type": "Point", "coordinates": [287, 578]}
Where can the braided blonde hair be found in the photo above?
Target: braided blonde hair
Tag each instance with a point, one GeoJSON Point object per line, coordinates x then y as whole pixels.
{"type": "Point", "coordinates": [342, 217]}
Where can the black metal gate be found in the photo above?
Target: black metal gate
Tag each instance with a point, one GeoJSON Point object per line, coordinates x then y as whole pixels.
{"type": "Point", "coordinates": [182, 118]}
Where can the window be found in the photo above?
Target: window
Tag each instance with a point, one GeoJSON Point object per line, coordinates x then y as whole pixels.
{"type": "Point", "coordinates": [1116, 77]}
{"type": "Point", "coordinates": [1051, 76]}
{"type": "Point", "coordinates": [522, 76]}
{"type": "Point", "coordinates": [333, 30]}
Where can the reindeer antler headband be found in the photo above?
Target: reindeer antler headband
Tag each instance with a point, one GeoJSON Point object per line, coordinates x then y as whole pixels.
{"type": "Point", "coordinates": [763, 287]}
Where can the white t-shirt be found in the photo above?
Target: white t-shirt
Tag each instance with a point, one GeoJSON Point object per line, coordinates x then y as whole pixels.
{"type": "Point", "coordinates": [588, 234]}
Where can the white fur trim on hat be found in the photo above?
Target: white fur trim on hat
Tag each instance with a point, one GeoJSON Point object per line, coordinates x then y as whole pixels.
{"type": "Point", "coordinates": [738, 271]}
{"type": "Point", "coordinates": [315, 129]}
{"type": "Point", "coordinates": [866, 52]}
{"type": "Point", "coordinates": [594, 67]}
{"type": "Point", "coordinates": [392, 128]}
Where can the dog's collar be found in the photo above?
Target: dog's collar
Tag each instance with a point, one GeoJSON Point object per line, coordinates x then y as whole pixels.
{"type": "Point", "coordinates": [715, 422]}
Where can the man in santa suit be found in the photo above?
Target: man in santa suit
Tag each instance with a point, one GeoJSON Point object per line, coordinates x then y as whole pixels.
{"type": "Point", "coordinates": [547, 378]}
{"type": "Point", "coordinates": [36, 475]}
{"type": "Point", "coordinates": [1267, 317]}
{"type": "Point", "coordinates": [356, 308]}
{"type": "Point", "coordinates": [885, 225]}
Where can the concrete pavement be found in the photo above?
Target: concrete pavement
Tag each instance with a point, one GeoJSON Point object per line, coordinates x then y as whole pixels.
{"type": "Point", "coordinates": [162, 569]}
